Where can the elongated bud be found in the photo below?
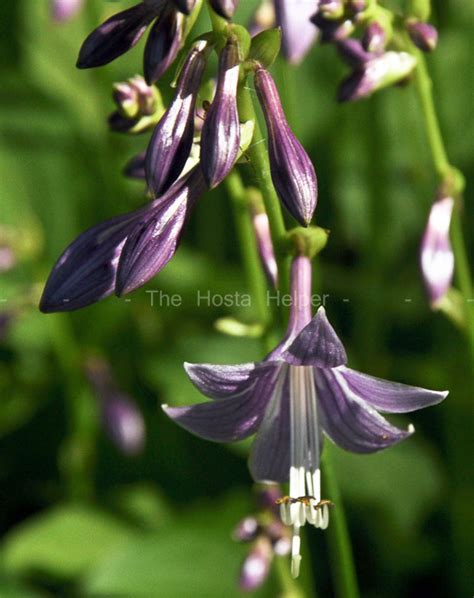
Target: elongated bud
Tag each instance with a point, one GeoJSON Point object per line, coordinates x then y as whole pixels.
{"type": "Point", "coordinates": [163, 44]}
{"type": "Point", "coordinates": [436, 255]}
{"type": "Point", "coordinates": [246, 530]}
{"type": "Point", "coordinates": [292, 171]}
{"type": "Point", "coordinates": [65, 10]}
{"type": "Point", "coordinates": [220, 136]}
{"type": "Point", "coordinates": [374, 38]}
{"type": "Point", "coordinates": [256, 565]}
{"type": "Point", "coordinates": [185, 6]}
{"type": "Point", "coordinates": [134, 98]}
{"type": "Point", "coordinates": [115, 36]}
{"type": "Point", "coordinates": [172, 138]}
{"type": "Point", "coordinates": [224, 8]}
{"type": "Point", "coordinates": [379, 72]}
{"type": "Point", "coordinates": [261, 227]}
{"type": "Point", "coordinates": [423, 35]}
{"type": "Point", "coordinates": [298, 33]}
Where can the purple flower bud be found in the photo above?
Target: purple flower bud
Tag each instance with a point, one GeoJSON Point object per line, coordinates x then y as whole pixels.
{"type": "Point", "coordinates": [64, 10]}
{"type": "Point", "coordinates": [357, 6]}
{"type": "Point", "coordinates": [332, 31]}
{"type": "Point", "coordinates": [163, 44]}
{"type": "Point", "coordinates": [154, 239]}
{"type": "Point", "coordinates": [224, 8]}
{"type": "Point", "coordinates": [135, 167]}
{"type": "Point", "coordinates": [256, 565]}
{"type": "Point", "coordinates": [423, 35]}
{"type": "Point", "coordinates": [115, 36]}
{"type": "Point", "coordinates": [246, 530]}
{"type": "Point", "coordinates": [261, 227]}
{"type": "Point", "coordinates": [379, 72]}
{"type": "Point", "coordinates": [262, 19]}
{"type": "Point", "coordinates": [331, 9]}
{"type": "Point", "coordinates": [87, 270]}
{"type": "Point", "coordinates": [292, 171]}
{"type": "Point", "coordinates": [220, 137]}
{"type": "Point", "coordinates": [298, 33]}
{"type": "Point", "coordinates": [185, 6]}
{"type": "Point", "coordinates": [134, 98]}
{"type": "Point", "coordinates": [280, 537]}
{"type": "Point", "coordinates": [353, 53]}
{"type": "Point", "coordinates": [436, 256]}
{"type": "Point", "coordinates": [172, 138]}
{"type": "Point", "coordinates": [374, 38]}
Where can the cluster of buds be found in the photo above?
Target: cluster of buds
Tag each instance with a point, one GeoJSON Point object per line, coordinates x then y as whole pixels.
{"type": "Point", "coordinates": [267, 537]}
{"type": "Point", "coordinates": [138, 106]}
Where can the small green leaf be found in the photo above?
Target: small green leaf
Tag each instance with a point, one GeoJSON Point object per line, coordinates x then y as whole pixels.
{"type": "Point", "coordinates": [265, 47]}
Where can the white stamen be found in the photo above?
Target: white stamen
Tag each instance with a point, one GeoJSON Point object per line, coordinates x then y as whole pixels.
{"type": "Point", "coordinates": [295, 552]}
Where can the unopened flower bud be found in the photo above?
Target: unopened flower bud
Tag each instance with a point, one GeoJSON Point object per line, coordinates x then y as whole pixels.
{"type": "Point", "coordinates": [224, 8]}
{"type": "Point", "coordinates": [292, 171]}
{"type": "Point", "coordinates": [357, 6]}
{"type": "Point", "coordinates": [185, 6]}
{"type": "Point", "coordinates": [423, 35]}
{"type": "Point", "coordinates": [374, 38]}
{"type": "Point", "coordinates": [220, 137]}
{"type": "Point", "coordinates": [353, 53]}
{"type": "Point", "coordinates": [332, 31]}
{"type": "Point", "coordinates": [245, 530]}
{"type": "Point", "coordinates": [262, 19]}
{"type": "Point", "coordinates": [436, 256]}
{"type": "Point", "coordinates": [256, 565]}
{"type": "Point", "coordinates": [331, 9]}
{"type": "Point", "coordinates": [134, 98]}
{"type": "Point", "coordinates": [163, 44]}
{"type": "Point", "coordinates": [280, 537]}
{"type": "Point", "coordinates": [65, 10]}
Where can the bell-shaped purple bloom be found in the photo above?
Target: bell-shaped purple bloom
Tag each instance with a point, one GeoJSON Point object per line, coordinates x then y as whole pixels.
{"type": "Point", "coordinates": [292, 171]}
{"type": "Point", "coordinates": [224, 8]}
{"type": "Point", "coordinates": [220, 137]}
{"type": "Point", "coordinates": [436, 255]}
{"type": "Point", "coordinates": [298, 32]}
{"type": "Point", "coordinates": [423, 35]}
{"type": "Point", "coordinates": [172, 138]}
{"type": "Point", "coordinates": [65, 10]}
{"type": "Point", "coordinates": [163, 44]}
{"type": "Point", "coordinates": [301, 391]}
{"type": "Point", "coordinates": [122, 253]}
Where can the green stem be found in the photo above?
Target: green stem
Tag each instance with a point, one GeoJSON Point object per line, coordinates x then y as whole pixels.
{"type": "Point", "coordinates": [290, 589]}
{"type": "Point", "coordinates": [342, 559]}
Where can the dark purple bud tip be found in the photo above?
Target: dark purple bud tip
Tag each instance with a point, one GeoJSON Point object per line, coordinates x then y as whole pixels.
{"type": "Point", "coordinates": [220, 138]}
{"type": "Point", "coordinates": [163, 44]}
{"type": "Point", "coordinates": [185, 6]}
{"type": "Point", "coordinates": [423, 35]}
{"type": "Point", "coordinates": [224, 8]}
{"type": "Point", "coordinates": [172, 138]}
{"type": "Point", "coordinates": [256, 565]}
{"type": "Point", "coordinates": [292, 172]}
{"type": "Point", "coordinates": [114, 37]}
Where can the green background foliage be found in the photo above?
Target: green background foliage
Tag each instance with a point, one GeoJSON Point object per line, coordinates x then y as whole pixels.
{"type": "Point", "coordinates": [79, 518]}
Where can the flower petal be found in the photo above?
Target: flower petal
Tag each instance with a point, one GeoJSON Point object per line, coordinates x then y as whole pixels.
{"type": "Point", "coordinates": [231, 418]}
{"type": "Point", "coordinates": [114, 37]}
{"type": "Point", "coordinates": [348, 420]}
{"type": "Point", "coordinates": [391, 397]}
{"type": "Point", "coordinates": [298, 33]}
{"type": "Point", "coordinates": [220, 381]}
{"type": "Point", "coordinates": [270, 454]}
{"type": "Point", "coordinates": [317, 344]}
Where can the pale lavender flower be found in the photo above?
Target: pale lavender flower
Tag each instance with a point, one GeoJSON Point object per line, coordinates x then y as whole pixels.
{"type": "Point", "coordinates": [122, 253]}
{"type": "Point", "coordinates": [224, 8]}
{"type": "Point", "coordinates": [298, 32]}
{"type": "Point", "coordinates": [220, 136]}
{"type": "Point", "coordinates": [65, 10]}
{"type": "Point", "coordinates": [292, 171]}
{"type": "Point", "coordinates": [436, 255]}
{"type": "Point", "coordinates": [300, 391]}
{"type": "Point", "coordinates": [423, 35]}
{"type": "Point", "coordinates": [172, 138]}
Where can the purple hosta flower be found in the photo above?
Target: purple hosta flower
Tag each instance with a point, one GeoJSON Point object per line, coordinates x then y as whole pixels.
{"type": "Point", "coordinates": [172, 138]}
{"type": "Point", "coordinates": [220, 137]}
{"type": "Point", "coordinates": [298, 33]}
{"type": "Point", "coordinates": [380, 71]}
{"type": "Point", "coordinates": [292, 171]}
{"type": "Point", "coordinates": [122, 253]}
{"type": "Point", "coordinates": [301, 390]}
{"type": "Point", "coordinates": [423, 35]}
{"type": "Point", "coordinates": [436, 256]}
{"type": "Point", "coordinates": [224, 8]}
{"type": "Point", "coordinates": [135, 167]}
{"type": "Point", "coordinates": [120, 416]}
{"type": "Point", "coordinates": [261, 227]}
{"type": "Point", "coordinates": [65, 10]}
{"type": "Point", "coordinates": [123, 30]}
{"type": "Point", "coordinates": [374, 38]}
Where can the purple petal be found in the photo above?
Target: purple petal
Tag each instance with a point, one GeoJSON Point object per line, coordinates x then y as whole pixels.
{"type": "Point", "coordinates": [220, 138]}
{"type": "Point", "coordinates": [115, 36]}
{"type": "Point", "coordinates": [163, 45]}
{"type": "Point", "coordinates": [317, 344]}
{"type": "Point", "coordinates": [270, 454]}
{"type": "Point", "coordinates": [391, 397]}
{"type": "Point", "coordinates": [224, 8]}
{"type": "Point", "coordinates": [220, 381]}
{"type": "Point", "coordinates": [154, 240]}
{"type": "Point", "coordinates": [86, 271]}
{"type": "Point", "coordinates": [298, 33]}
{"type": "Point", "coordinates": [135, 167]}
{"type": "Point", "coordinates": [349, 421]}
{"type": "Point", "coordinates": [292, 171]}
{"type": "Point", "coordinates": [231, 418]}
